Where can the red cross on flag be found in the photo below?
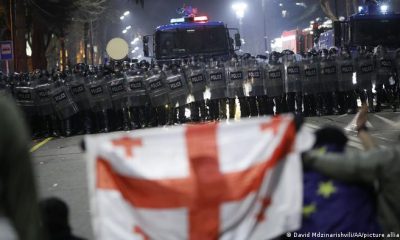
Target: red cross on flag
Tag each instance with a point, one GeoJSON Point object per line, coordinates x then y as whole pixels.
{"type": "Point", "coordinates": [239, 180]}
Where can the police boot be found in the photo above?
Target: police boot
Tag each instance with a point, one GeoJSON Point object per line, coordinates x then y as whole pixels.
{"type": "Point", "coordinates": [134, 117]}
{"type": "Point", "coordinates": [163, 114]}
{"type": "Point", "coordinates": [268, 106]}
{"type": "Point", "coordinates": [104, 125]}
{"type": "Point", "coordinates": [307, 107]}
{"type": "Point", "coordinates": [319, 111]}
{"type": "Point", "coordinates": [342, 102]}
{"type": "Point", "coordinates": [253, 106]}
{"type": "Point", "coordinates": [182, 116]}
{"type": "Point", "coordinates": [362, 95]}
{"type": "Point", "coordinates": [328, 103]}
{"type": "Point", "coordinates": [290, 98]}
{"type": "Point", "coordinates": [278, 105]}
{"type": "Point", "coordinates": [379, 97]}
{"type": "Point", "coordinates": [143, 116]}
{"type": "Point", "coordinates": [370, 99]}
{"type": "Point", "coordinates": [88, 122]}
{"type": "Point", "coordinates": [352, 103]}
{"type": "Point", "coordinates": [54, 126]}
{"type": "Point", "coordinates": [212, 109]}
{"type": "Point", "coordinates": [262, 105]}
{"type": "Point", "coordinates": [194, 112]}
{"type": "Point", "coordinates": [221, 108]}
{"type": "Point", "coordinates": [232, 108]}
{"type": "Point", "coordinates": [335, 104]}
{"type": "Point", "coordinates": [299, 104]}
{"type": "Point", "coordinates": [244, 107]}
{"type": "Point", "coordinates": [67, 130]}
{"type": "Point", "coordinates": [153, 117]}
{"type": "Point", "coordinates": [313, 105]}
{"type": "Point", "coordinates": [203, 110]}
{"type": "Point", "coordinates": [125, 120]}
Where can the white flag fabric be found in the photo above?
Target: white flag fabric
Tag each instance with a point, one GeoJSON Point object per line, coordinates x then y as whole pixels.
{"type": "Point", "coordinates": [239, 180]}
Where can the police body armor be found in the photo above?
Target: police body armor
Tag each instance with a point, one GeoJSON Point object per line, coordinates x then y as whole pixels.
{"type": "Point", "coordinates": [365, 72]}
{"type": "Point", "coordinates": [273, 82]}
{"type": "Point", "coordinates": [345, 66]}
{"type": "Point", "coordinates": [293, 76]}
{"type": "Point", "coordinates": [328, 74]}
{"type": "Point", "coordinates": [255, 76]}
{"type": "Point", "coordinates": [63, 103]}
{"type": "Point", "coordinates": [310, 82]}
{"type": "Point", "coordinates": [118, 92]}
{"type": "Point", "coordinates": [25, 98]}
{"type": "Point", "coordinates": [216, 81]}
{"type": "Point", "coordinates": [236, 76]}
{"type": "Point", "coordinates": [99, 96]}
{"type": "Point", "coordinates": [136, 90]}
{"type": "Point", "coordinates": [44, 99]}
{"type": "Point", "coordinates": [197, 81]}
{"type": "Point", "coordinates": [384, 70]}
{"type": "Point", "coordinates": [157, 88]}
{"type": "Point", "coordinates": [178, 89]}
{"type": "Point", "coordinates": [79, 93]}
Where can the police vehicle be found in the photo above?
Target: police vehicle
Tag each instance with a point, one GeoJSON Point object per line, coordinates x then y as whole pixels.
{"type": "Point", "coordinates": [192, 36]}
{"type": "Point", "coordinates": [373, 25]}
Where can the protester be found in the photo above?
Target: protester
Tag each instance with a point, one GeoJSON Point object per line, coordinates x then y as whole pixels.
{"type": "Point", "coordinates": [377, 167]}
{"type": "Point", "coordinates": [350, 207]}
{"type": "Point", "coordinates": [56, 219]}
{"type": "Point", "coordinates": [19, 212]}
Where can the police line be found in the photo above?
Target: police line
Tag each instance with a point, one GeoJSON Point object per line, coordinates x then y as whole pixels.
{"type": "Point", "coordinates": [137, 95]}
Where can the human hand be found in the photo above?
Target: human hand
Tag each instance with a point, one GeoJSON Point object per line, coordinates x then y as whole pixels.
{"type": "Point", "coordinates": [362, 117]}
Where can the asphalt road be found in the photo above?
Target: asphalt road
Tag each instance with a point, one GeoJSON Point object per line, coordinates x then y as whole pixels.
{"type": "Point", "coordinates": [61, 169]}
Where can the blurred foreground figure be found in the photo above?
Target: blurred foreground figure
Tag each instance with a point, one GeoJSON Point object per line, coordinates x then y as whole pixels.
{"type": "Point", "coordinates": [55, 219]}
{"type": "Point", "coordinates": [339, 200]}
{"type": "Point", "coordinates": [379, 168]}
{"type": "Point", "coordinates": [18, 206]}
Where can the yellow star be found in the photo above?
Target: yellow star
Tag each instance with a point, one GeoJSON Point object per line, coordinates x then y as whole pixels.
{"type": "Point", "coordinates": [309, 209]}
{"type": "Point", "coordinates": [326, 189]}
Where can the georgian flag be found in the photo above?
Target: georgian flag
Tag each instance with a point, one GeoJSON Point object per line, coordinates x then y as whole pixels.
{"type": "Point", "coordinates": [239, 180]}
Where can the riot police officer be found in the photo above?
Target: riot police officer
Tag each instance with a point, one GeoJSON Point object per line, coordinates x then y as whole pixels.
{"type": "Point", "coordinates": [99, 99]}
{"type": "Point", "coordinates": [63, 104]}
{"type": "Point", "coordinates": [328, 73]}
{"type": "Point", "coordinates": [216, 81]}
{"type": "Point", "coordinates": [274, 84]}
{"type": "Point", "coordinates": [346, 96]}
{"type": "Point", "coordinates": [25, 98]}
{"type": "Point", "coordinates": [178, 93]}
{"type": "Point", "coordinates": [196, 76]}
{"type": "Point", "coordinates": [255, 77]}
{"type": "Point", "coordinates": [311, 83]}
{"type": "Point", "coordinates": [49, 124]}
{"type": "Point", "coordinates": [365, 75]}
{"type": "Point", "coordinates": [235, 88]}
{"type": "Point", "coordinates": [293, 78]}
{"type": "Point", "coordinates": [83, 121]}
{"type": "Point", "coordinates": [158, 90]}
{"type": "Point", "coordinates": [384, 71]}
{"type": "Point", "coordinates": [138, 100]}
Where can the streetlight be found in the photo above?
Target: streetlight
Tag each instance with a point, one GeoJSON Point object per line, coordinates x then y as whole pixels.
{"type": "Point", "coordinates": [126, 13]}
{"type": "Point", "coordinates": [239, 9]}
{"type": "Point", "coordinates": [124, 31]}
{"type": "Point", "coordinates": [122, 17]}
{"type": "Point", "coordinates": [128, 27]}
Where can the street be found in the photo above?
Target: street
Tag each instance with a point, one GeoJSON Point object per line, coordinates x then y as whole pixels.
{"type": "Point", "coordinates": [61, 169]}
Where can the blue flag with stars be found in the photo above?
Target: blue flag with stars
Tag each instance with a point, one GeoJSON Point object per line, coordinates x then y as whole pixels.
{"type": "Point", "coordinates": [331, 206]}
